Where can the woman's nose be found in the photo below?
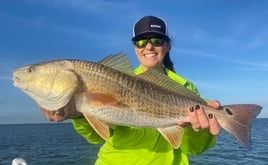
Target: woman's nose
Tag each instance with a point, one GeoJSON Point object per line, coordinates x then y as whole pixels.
{"type": "Point", "coordinates": [149, 46]}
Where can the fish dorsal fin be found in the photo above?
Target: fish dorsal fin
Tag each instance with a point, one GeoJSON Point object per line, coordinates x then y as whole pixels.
{"type": "Point", "coordinates": [172, 134]}
{"type": "Point", "coordinates": [119, 62]}
{"type": "Point", "coordinates": [154, 76]}
{"type": "Point", "coordinates": [100, 127]}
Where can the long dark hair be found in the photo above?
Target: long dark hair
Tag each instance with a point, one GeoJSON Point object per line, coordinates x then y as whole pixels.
{"type": "Point", "coordinates": [167, 61]}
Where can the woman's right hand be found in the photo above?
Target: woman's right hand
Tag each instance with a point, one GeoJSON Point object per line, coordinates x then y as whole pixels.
{"type": "Point", "coordinates": [67, 112]}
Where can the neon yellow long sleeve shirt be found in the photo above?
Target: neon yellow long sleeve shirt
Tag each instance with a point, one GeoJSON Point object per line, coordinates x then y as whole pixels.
{"type": "Point", "coordinates": [143, 146]}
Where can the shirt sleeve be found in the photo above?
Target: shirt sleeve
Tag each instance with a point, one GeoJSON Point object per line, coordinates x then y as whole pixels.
{"type": "Point", "coordinates": [83, 128]}
{"type": "Point", "coordinates": [193, 142]}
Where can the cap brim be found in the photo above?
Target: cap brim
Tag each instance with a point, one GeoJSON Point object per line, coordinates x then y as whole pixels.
{"type": "Point", "coordinates": [148, 32]}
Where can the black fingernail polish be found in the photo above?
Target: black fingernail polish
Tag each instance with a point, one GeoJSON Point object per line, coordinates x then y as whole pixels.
{"type": "Point", "coordinates": [210, 116]}
{"type": "Point", "coordinates": [191, 109]}
{"type": "Point", "coordinates": [197, 107]}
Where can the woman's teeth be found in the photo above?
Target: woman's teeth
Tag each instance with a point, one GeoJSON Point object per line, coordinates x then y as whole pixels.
{"type": "Point", "coordinates": [150, 55]}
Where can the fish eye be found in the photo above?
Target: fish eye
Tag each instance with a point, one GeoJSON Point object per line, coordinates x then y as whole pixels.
{"type": "Point", "coordinates": [29, 70]}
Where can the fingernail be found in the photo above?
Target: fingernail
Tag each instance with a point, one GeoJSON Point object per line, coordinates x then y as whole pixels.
{"type": "Point", "coordinates": [191, 109]}
{"type": "Point", "coordinates": [180, 122]}
{"type": "Point", "coordinates": [210, 116]}
{"type": "Point", "coordinates": [197, 107]}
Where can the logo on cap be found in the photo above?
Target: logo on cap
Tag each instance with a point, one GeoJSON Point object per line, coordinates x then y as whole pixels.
{"type": "Point", "coordinates": [156, 26]}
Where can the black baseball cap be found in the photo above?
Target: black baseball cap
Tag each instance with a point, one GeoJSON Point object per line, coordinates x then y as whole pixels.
{"type": "Point", "coordinates": [150, 24]}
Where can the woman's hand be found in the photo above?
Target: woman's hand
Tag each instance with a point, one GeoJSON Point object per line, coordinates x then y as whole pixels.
{"type": "Point", "coordinates": [200, 120]}
{"type": "Point", "coordinates": [67, 112]}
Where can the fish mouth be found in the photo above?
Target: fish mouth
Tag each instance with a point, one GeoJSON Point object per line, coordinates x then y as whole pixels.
{"type": "Point", "coordinates": [18, 83]}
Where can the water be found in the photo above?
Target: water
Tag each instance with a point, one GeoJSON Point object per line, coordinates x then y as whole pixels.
{"type": "Point", "coordinates": [56, 144]}
{"type": "Point", "coordinates": [229, 151]}
{"type": "Point", "coordinates": [48, 144]}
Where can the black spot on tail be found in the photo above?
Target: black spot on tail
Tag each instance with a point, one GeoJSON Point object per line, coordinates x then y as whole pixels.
{"type": "Point", "coordinates": [229, 112]}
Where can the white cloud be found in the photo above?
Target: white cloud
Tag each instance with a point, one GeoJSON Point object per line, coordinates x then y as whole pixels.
{"type": "Point", "coordinates": [212, 86]}
{"type": "Point", "coordinates": [5, 78]}
{"type": "Point", "coordinates": [255, 43]}
{"type": "Point", "coordinates": [87, 6]}
{"type": "Point", "coordinates": [257, 65]}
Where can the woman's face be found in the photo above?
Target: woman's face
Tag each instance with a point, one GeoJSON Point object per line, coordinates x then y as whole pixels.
{"type": "Point", "coordinates": [151, 55]}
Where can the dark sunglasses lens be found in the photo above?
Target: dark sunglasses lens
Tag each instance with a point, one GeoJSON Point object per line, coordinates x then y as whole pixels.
{"type": "Point", "coordinates": [154, 41]}
{"type": "Point", "coordinates": [157, 41]}
{"type": "Point", "coordinates": [141, 43]}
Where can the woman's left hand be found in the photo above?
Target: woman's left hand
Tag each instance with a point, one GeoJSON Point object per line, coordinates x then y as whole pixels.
{"type": "Point", "coordinates": [200, 120]}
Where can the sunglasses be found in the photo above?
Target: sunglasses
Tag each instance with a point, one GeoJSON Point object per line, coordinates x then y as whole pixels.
{"type": "Point", "coordinates": [141, 43]}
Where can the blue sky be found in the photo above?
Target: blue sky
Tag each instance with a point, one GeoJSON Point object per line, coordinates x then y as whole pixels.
{"type": "Point", "coordinates": [220, 45]}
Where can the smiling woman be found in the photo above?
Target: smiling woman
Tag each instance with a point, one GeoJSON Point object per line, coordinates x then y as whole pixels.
{"type": "Point", "coordinates": [151, 41]}
{"type": "Point", "coordinates": [131, 145]}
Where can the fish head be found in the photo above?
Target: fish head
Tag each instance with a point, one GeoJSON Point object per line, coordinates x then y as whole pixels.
{"type": "Point", "coordinates": [51, 84]}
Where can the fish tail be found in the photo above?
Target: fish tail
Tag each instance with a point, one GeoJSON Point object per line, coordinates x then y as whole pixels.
{"type": "Point", "coordinates": [239, 121]}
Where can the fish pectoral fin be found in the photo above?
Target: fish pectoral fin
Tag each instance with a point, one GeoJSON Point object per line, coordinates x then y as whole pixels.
{"type": "Point", "coordinates": [172, 134]}
{"type": "Point", "coordinates": [100, 127]}
{"type": "Point", "coordinates": [99, 99]}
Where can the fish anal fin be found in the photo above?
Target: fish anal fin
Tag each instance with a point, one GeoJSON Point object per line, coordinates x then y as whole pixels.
{"type": "Point", "coordinates": [100, 127]}
{"type": "Point", "coordinates": [172, 134]}
{"type": "Point", "coordinates": [98, 99]}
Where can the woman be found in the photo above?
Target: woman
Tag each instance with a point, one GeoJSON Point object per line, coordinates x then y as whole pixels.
{"type": "Point", "coordinates": [129, 145]}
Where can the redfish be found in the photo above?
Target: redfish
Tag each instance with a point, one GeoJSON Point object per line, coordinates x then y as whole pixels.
{"type": "Point", "coordinates": [108, 93]}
